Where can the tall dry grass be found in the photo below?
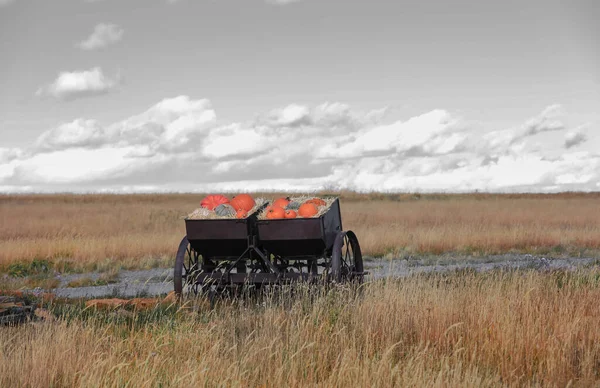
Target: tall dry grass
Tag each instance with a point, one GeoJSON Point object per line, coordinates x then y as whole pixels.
{"type": "Point", "coordinates": [456, 330]}
{"type": "Point", "coordinates": [133, 231]}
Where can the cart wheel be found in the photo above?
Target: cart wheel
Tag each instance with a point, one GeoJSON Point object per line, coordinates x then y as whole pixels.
{"type": "Point", "coordinates": [346, 259]}
{"type": "Point", "coordinates": [187, 266]}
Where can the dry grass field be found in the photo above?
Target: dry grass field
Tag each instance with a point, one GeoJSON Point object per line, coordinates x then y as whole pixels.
{"type": "Point", "coordinates": [456, 330]}
{"type": "Point", "coordinates": [89, 232]}
{"type": "Point", "coordinates": [461, 329]}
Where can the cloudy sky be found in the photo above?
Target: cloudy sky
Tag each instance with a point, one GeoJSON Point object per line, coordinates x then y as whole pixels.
{"type": "Point", "coordinates": [226, 95]}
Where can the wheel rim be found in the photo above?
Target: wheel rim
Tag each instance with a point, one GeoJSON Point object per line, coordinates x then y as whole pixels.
{"type": "Point", "coordinates": [186, 271]}
{"type": "Point", "coordinates": [346, 262]}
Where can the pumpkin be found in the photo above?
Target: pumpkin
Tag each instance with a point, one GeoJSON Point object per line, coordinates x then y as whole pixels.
{"type": "Point", "coordinates": [241, 214]}
{"type": "Point", "coordinates": [281, 202]}
{"type": "Point", "coordinates": [275, 212]}
{"type": "Point", "coordinates": [210, 202]}
{"type": "Point", "coordinates": [307, 210]}
{"type": "Point", "coordinates": [243, 201]}
{"type": "Point", "coordinates": [316, 202]}
{"type": "Point", "coordinates": [290, 214]}
{"type": "Point", "coordinates": [293, 205]}
{"type": "Point", "coordinates": [224, 210]}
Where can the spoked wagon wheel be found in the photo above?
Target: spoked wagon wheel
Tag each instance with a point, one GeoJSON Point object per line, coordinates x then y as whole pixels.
{"type": "Point", "coordinates": [187, 268]}
{"type": "Point", "coordinates": [346, 259]}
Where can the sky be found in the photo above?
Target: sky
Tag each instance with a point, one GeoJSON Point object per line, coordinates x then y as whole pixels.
{"type": "Point", "coordinates": [300, 95]}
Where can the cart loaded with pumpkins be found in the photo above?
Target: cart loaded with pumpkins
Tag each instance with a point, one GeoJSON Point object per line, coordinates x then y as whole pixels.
{"type": "Point", "coordinates": [253, 242]}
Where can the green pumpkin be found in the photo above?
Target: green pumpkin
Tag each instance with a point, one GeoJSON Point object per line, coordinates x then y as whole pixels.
{"type": "Point", "coordinates": [224, 210]}
{"type": "Point", "coordinates": [293, 206]}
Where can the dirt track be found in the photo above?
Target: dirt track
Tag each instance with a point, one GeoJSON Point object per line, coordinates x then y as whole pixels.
{"type": "Point", "coordinates": [160, 281]}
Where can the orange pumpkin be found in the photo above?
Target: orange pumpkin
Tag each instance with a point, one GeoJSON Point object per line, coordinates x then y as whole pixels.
{"type": "Point", "coordinates": [307, 210]}
{"type": "Point", "coordinates": [210, 202]}
{"type": "Point", "coordinates": [275, 212]}
{"type": "Point", "coordinates": [243, 201]}
{"type": "Point", "coordinates": [290, 214]}
{"type": "Point", "coordinates": [281, 202]}
{"type": "Point", "coordinates": [316, 202]}
{"type": "Point", "coordinates": [241, 214]}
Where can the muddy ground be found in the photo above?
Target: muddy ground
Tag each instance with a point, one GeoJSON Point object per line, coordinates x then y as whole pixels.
{"type": "Point", "coordinates": [160, 281]}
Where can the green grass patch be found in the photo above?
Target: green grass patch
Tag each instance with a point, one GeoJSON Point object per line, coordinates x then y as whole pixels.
{"type": "Point", "coordinates": [34, 267]}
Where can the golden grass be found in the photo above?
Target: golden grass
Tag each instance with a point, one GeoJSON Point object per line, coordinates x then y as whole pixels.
{"type": "Point", "coordinates": [84, 232]}
{"type": "Point", "coordinates": [456, 330]}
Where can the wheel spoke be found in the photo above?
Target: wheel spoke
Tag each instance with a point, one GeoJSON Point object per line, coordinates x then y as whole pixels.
{"type": "Point", "coordinates": [191, 271]}
{"type": "Point", "coordinates": [350, 253]}
{"type": "Point", "coordinates": [346, 256]}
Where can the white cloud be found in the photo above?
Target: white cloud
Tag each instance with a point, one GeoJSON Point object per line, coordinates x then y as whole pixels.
{"type": "Point", "coordinates": [78, 133]}
{"type": "Point", "coordinates": [97, 1]}
{"type": "Point", "coordinates": [290, 116]}
{"type": "Point", "coordinates": [78, 84]}
{"type": "Point", "coordinates": [177, 144]}
{"type": "Point", "coordinates": [548, 120]}
{"type": "Point", "coordinates": [8, 154]}
{"type": "Point", "coordinates": [276, 2]}
{"type": "Point", "coordinates": [282, 2]}
{"type": "Point", "coordinates": [79, 165]}
{"type": "Point", "coordinates": [8, 162]}
{"type": "Point", "coordinates": [427, 132]}
{"type": "Point", "coordinates": [164, 126]}
{"type": "Point", "coordinates": [574, 138]}
{"type": "Point", "coordinates": [103, 35]}
{"type": "Point", "coordinates": [83, 151]}
{"type": "Point", "coordinates": [233, 140]}
{"type": "Point", "coordinates": [171, 123]}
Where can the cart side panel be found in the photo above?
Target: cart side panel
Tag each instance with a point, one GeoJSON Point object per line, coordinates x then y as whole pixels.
{"type": "Point", "coordinates": [293, 248]}
{"type": "Point", "coordinates": [292, 237]}
{"type": "Point", "coordinates": [216, 229]}
{"type": "Point", "coordinates": [224, 249]}
{"type": "Point", "coordinates": [225, 237]}
{"type": "Point", "coordinates": [290, 229]}
{"type": "Point", "coordinates": [332, 223]}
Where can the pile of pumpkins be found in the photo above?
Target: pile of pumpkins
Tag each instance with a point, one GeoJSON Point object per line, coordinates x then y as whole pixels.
{"type": "Point", "coordinates": [241, 205]}
{"type": "Point", "coordinates": [284, 208]}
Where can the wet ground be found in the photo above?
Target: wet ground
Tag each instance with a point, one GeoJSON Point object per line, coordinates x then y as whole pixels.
{"type": "Point", "coordinates": [160, 281]}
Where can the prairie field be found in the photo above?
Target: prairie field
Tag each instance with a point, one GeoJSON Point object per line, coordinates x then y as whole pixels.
{"type": "Point", "coordinates": [464, 329]}
{"type": "Point", "coordinates": [98, 232]}
{"type": "Point", "coordinates": [457, 329]}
